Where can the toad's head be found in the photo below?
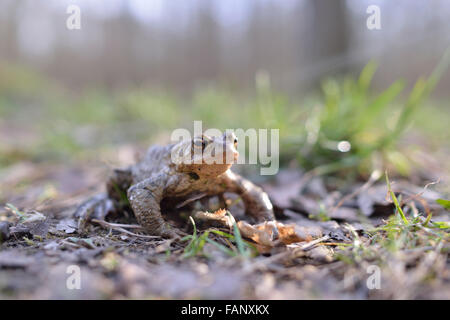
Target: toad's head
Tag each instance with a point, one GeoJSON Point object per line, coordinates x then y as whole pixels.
{"type": "Point", "coordinates": [205, 156]}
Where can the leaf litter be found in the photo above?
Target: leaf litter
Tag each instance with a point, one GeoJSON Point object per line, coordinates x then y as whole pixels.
{"type": "Point", "coordinates": [320, 247]}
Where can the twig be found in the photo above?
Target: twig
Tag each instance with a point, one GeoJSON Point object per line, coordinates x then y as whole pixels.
{"type": "Point", "coordinates": [418, 196]}
{"type": "Point", "coordinates": [312, 243]}
{"type": "Point", "coordinates": [118, 228]}
{"type": "Point", "coordinates": [125, 226]}
{"type": "Point", "coordinates": [191, 199]}
{"type": "Point", "coordinates": [373, 178]}
{"type": "Point", "coordinates": [70, 244]}
{"type": "Point", "coordinates": [335, 244]}
{"type": "Point", "coordinates": [294, 253]}
{"type": "Point", "coordinates": [419, 249]}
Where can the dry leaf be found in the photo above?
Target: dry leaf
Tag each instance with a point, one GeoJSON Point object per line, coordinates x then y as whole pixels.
{"type": "Point", "coordinates": [264, 233]}
{"type": "Point", "coordinates": [261, 234]}
{"type": "Point", "coordinates": [288, 234]}
{"type": "Point", "coordinates": [218, 216]}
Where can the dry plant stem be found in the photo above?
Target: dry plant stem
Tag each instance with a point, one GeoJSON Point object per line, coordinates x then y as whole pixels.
{"type": "Point", "coordinates": [117, 228]}
{"type": "Point", "coordinates": [125, 226]}
{"type": "Point", "coordinates": [306, 178]}
{"type": "Point", "coordinates": [419, 198]}
{"type": "Point", "coordinates": [192, 199]}
{"type": "Point", "coordinates": [420, 249]}
{"type": "Point", "coordinates": [334, 244]}
{"type": "Point", "coordinates": [280, 256]}
{"type": "Point", "coordinates": [373, 178]}
{"type": "Point", "coordinates": [413, 197]}
{"type": "Point", "coordinates": [311, 244]}
{"type": "Point", "coordinates": [70, 244]}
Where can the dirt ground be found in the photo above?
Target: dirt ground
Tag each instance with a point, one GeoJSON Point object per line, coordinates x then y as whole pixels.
{"type": "Point", "coordinates": [348, 261]}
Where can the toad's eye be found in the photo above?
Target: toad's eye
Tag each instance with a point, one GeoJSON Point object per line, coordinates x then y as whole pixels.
{"type": "Point", "coordinates": [200, 143]}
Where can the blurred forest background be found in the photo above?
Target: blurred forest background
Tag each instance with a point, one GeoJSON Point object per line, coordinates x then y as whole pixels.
{"type": "Point", "coordinates": [138, 69]}
{"type": "Point", "coordinates": [349, 103]}
{"type": "Point", "coordinates": [185, 45]}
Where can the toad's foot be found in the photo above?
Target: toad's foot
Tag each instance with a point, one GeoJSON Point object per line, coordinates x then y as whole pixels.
{"type": "Point", "coordinates": [171, 232]}
{"type": "Point", "coordinates": [145, 198]}
{"type": "Point", "coordinates": [257, 203]}
{"type": "Point", "coordinates": [97, 207]}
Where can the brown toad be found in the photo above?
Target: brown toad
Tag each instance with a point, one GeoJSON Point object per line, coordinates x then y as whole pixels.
{"type": "Point", "coordinates": [177, 172]}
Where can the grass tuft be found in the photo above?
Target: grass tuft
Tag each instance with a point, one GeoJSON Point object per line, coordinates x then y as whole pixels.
{"type": "Point", "coordinates": [237, 247]}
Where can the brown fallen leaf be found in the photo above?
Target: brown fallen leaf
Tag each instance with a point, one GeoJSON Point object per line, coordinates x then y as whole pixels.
{"type": "Point", "coordinates": [220, 216]}
{"type": "Point", "coordinates": [266, 234]}
{"type": "Point", "coordinates": [292, 233]}
{"type": "Point", "coordinates": [261, 234]}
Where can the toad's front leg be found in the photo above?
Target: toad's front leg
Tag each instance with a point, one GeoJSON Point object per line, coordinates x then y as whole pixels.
{"type": "Point", "coordinates": [145, 198]}
{"type": "Point", "coordinates": [257, 203]}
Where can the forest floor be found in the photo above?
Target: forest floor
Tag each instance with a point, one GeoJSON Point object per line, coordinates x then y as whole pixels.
{"type": "Point", "coordinates": [345, 236]}
{"type": "Point", "coordinates": [353, 242]}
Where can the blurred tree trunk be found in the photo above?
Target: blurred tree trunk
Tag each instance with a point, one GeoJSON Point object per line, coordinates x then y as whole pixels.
{"type": "Point", "coordinates": [328, 40]}
{"type": "Point", "coordinates": [9, 31]}
{"type": "Point", "coordinates": [205, 47]}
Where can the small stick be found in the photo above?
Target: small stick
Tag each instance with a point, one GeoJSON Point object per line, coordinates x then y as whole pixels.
{"type": "Point", "coordinates": [115, 227]}
{"type": "Point", "coordinates": [191, 199]}
{"type": "Point", "coordinates": [413, 197]}
{"type": "Point", "coordinates": [125, 226]}
{"type": "Point", "coordinates": [284, 254]}
{"type": "Point", "coordinates": [312, 243]}
{"type": "Point", "coordinates": [373, 178]}
{"type": "Point", "coordinates": [334, 244]}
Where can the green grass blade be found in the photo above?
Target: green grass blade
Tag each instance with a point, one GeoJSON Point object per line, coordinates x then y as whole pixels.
{"type": "Point", "coordinates": [366, 76]}
{"type": "Point", "coordinates": [427, 220]}
{"type": "Point", "coordinates": [376, 107]}
{"type": "Point", "coordinates": [394, 198]}
{"type": "Point", "coordinates": [14, 210]}
{"type": "Point", "coordinates": [221, 247]}
{"type": "Point", "coordinates": [444, 203]}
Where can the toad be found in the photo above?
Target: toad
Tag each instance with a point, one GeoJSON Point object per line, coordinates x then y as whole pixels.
{"type": "Point", "coordinates": [177, 172]}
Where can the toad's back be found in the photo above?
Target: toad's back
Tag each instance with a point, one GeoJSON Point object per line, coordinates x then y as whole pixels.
{"type": "Point", "coordinates": [157, 160]}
